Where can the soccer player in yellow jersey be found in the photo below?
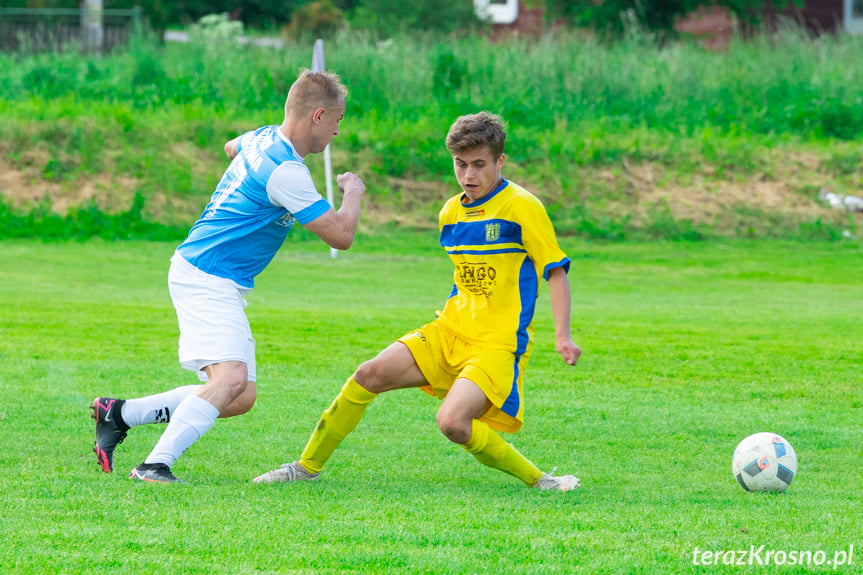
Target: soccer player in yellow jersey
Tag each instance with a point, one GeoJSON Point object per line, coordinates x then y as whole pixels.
{"type": "Point", "coordinates": [474, 355]}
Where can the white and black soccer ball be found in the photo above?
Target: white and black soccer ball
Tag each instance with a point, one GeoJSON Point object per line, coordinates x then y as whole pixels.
{"type": "Point", "coordinates": [764, 462]}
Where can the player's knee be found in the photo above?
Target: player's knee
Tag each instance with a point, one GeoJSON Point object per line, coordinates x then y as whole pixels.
{"type": "Point", "coordinates": [231, 378]}
{"type": "Point", "coordinates": [232, 389]}
{"type": "Point", "coordinates": [453, 427]}
{"type": "Point", "coordinates": [371, 376]}
{"type": "Point", "coordinates": [242, 403]}
{"type": "Point", "coordinates": [245, 402]}
{"type": "Point", "coordinates": [237, 386]}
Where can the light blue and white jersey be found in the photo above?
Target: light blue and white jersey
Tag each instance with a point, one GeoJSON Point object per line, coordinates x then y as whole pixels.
{"type": "Point", "coordinates": [266, 187]}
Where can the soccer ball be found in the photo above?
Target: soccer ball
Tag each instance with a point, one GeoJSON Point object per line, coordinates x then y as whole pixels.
{"type": "Point", "coordinates": [764, 462]}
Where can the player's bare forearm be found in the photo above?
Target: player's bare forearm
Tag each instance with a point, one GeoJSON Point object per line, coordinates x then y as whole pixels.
{"type": "Point", "coordinates": [561, 309]}
{"type": "Point", "coordinates": [352, 188]}
{"type": "Point", "coordinates": [349, 215]}
{"type": "Point", "coordinates": [338, 228]}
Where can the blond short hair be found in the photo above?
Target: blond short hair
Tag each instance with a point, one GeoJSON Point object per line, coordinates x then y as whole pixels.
{"type": "Point", "coordinates": [313, 90]}
{"type": "Point", "coordinates": [474, 131]}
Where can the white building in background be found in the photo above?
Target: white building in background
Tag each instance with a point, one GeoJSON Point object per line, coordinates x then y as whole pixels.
{"type": "Point", "coordinates": [497, 11]}
{"type": "Point", "coordinates": [852, 16]}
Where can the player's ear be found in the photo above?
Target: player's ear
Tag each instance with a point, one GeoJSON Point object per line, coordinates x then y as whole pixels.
{"type": "Point", "coordinates": [317, 115]}
{"type": "Point", "coordinates": [501, 160]}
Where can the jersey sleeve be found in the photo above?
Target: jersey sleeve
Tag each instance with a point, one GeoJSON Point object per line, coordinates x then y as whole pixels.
{"type": "Point", "coordinates": [292, 188]}
{"type": "Point", "coordinates": [540, 240]}
{"type": "Point", "coordinates": [240, 142]}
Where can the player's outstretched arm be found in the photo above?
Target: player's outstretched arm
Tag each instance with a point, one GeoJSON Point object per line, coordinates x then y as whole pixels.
{"type": "Point", "coordinates": [337, 228]}
{"type": "Point", "coordinates": [558, 287]}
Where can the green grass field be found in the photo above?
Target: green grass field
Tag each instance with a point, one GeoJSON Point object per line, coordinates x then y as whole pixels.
{"type": "Point", "coordinates": [688, 348]}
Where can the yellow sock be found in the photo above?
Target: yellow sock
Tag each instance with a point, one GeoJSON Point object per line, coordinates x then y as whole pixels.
{"type": "Point", "coordinates": [340, 418]}
{"type": "Point", "coordinates": [491, 450]}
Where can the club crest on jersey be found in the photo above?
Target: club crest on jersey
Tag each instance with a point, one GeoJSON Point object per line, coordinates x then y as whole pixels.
{"type": "Point", "coordinates": [492, 232]}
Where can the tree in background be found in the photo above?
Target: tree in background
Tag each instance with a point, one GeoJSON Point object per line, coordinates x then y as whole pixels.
{"type": "Point", "coordinates": [616, 17]}
{"type": "Point", "coordinates": [319, 19]}
{"type": "Point", "coordinates": [155, 12]}
{"type": "Point", "coordinates": [386, 17]}
{"type": "Point", "coordinates": [261, 14]}
{"type": "Point", "coordinates": [314, 16]}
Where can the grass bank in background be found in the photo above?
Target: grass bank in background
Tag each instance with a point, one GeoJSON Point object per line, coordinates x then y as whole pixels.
{"type": "Point", "coordinates": [616, 135]}
{"type": "Point", "coordinates": [784, 84]}
{"type": "Point", "coordinates": [688, 348]}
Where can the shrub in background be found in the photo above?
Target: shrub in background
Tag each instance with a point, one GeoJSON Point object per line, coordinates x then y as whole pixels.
{"type": "Point", "coordinates": [216, 29]}
{"type": "Point", "coordinates": [320, 19]}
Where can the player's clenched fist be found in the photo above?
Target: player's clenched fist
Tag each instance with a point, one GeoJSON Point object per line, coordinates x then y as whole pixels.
{"type": "Point", "coordinates": [350, 182]}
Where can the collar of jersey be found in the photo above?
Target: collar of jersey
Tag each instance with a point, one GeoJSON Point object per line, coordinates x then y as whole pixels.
{"type": "Point", "coordinates": [484, 199]}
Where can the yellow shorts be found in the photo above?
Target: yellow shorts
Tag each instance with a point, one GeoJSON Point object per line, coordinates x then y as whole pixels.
{"type": "Point", "coordinates": [443, 357]}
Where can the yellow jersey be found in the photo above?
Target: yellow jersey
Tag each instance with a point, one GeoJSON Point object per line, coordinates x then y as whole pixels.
{"type": "Point", "coordinates": [502, 246]}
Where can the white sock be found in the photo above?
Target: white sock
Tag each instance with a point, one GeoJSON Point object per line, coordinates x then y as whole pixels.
{"type": "Point", "coordinates": [192, 419]}
{"type": "Point", "coordinates": [155, 408]}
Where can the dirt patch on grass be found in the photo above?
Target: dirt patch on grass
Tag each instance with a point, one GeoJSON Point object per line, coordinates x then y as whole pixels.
{"type": "Point", "coordinates": [638, 190]}
{"type": "Point", "coordinates": [407, 202]}
{"type": "Point", "coordinates": [16, 187]}
{"type": "Point", "coordinates": [707, 199]}
{"type": "Point", "coordinates": [26, 188]}
{"type": "Point", "coordinates": [704, 200]}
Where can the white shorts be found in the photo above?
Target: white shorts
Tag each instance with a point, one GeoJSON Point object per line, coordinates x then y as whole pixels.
{"type": "Point", "coordinates": [213, 323]}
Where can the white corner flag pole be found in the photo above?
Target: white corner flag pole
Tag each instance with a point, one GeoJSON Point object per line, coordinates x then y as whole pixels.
{"type": "Point", "coordinates": [318, 66]}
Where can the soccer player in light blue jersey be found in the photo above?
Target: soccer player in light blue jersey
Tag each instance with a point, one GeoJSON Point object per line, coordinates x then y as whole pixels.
{"type": "Point", "coordinates": [264, 191]}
